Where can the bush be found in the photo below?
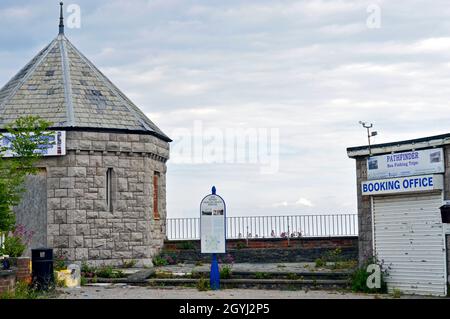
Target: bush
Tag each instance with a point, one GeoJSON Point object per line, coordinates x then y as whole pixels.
{"type": "Point", "coordinates": [203, 284]}
{"type": "Point", "coordinates": [333, 255]}
{"type": "Point", "coordinates": [360, 276]}
{"type": "Point", "coordinates": [22, 291]}
{"type": "Point", "coordinates": [225, 272]}
{"type": "Point", "coordinates": [129, 264]}
{"type": "Point", "coordinates": [60, 263]}
{"type": "Point", "coordinates": [240, 245]}
{"type": "Point", "coordinates": [396, 293]}
{"type": "Point", "coordinates": [108, 272]}
{"type": "Point", "coordinates": [164, 260]}
{"type": "Point", "coordinates": [292, 276]}
{"type": "Point", "coordinates": [87, 271]}
{"type": "Point", "coordinates": [84, 281]}
{"type": "Point", "coordinates": [59, 283]}
{"type": "Point", "coordinates": [159, 261]}
{"type": "Point", "coordinates": [261, 275]}
{"type": "Point", "coordinates": [16, 242]}
{"type": "Point", "coordinates": [320, 262]}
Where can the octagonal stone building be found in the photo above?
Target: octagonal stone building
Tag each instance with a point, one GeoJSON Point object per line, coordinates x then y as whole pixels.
{"type": "Point", "coordinates": [104, 201]}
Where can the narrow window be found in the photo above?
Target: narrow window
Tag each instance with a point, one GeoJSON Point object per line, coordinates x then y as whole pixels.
{"type": "Point", "coordinates": [109, 175]}
{"type": "Point", "coordinates": [155, 195]}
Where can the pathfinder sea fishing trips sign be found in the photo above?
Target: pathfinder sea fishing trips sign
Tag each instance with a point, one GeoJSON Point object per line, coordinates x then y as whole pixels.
{"type": "Point", "coordinates": [406, 164]}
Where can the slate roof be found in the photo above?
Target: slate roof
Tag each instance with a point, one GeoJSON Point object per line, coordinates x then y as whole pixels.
{"type": "Point", "coordinates": [62, 86]}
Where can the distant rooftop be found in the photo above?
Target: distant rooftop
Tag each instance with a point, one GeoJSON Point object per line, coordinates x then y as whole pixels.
{"type": "Point", "coordinates": [62, 86]}
{"type": "Point", "coordinates": [419, 143]}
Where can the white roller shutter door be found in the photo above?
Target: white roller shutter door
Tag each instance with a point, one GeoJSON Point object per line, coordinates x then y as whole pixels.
{"type": "Point", "coordinates": [408, 236]}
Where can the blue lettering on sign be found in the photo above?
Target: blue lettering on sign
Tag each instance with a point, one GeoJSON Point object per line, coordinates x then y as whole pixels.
{"type": "Point", "coordinates": [410, 183]}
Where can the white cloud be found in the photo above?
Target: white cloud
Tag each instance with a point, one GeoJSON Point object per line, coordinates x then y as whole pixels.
{"type": "Point", "coordinates": [304, 202]}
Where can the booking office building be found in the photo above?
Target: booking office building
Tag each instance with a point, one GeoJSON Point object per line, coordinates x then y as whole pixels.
{"type": "Point", "coordinates": [401, 187]}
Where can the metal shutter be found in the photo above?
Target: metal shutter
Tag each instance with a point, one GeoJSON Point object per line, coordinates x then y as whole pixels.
{"type": "Point", "coordinates": [408, 236]}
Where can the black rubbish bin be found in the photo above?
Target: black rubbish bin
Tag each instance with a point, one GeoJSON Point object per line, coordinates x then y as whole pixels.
{"type": "Point", "coordinates": [445, 213]}
{"type": "Point", "coordinates": [42, 265]}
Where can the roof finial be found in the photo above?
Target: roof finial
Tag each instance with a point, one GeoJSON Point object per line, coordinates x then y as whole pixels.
{"type": "Point", "coordinates": [61, 19]}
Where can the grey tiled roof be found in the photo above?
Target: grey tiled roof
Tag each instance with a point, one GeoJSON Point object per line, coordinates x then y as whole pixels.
{"type": "Point", "coordinates": [62, 86]}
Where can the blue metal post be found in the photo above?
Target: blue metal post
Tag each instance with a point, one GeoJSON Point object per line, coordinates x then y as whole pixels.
{"type": "Point", "coordinates": [214, 279]}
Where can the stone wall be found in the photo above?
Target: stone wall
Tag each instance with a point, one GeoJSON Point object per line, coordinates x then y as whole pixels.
{"type": "Point", "coordinates": [266, 250]}
{"type": "Point", "coordinates": [365, 246]}
{"type": "Point", "coordinates": [80, 224]}
{"type": "Point", "coordinates": [7, 281]}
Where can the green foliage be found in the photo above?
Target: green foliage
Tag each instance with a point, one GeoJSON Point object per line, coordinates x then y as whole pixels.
{"type": "Point", "coordinates": [105, 272]}
{"type": "Point", "coordinates": [240, 245]}
{"type": "Point", "coordinates": [84, 281]}
{"type": "Point", "coordinates": [360, 276]}
{"type": "Point", "coordinates": [262, 275]}
{"type": "Point", "coordinates": [60, 263]}
{"type": "Point", "coordinates": [22, 291]}
{"type": "Point", "coordinates": [396, 293]}
{"type": "Point", "coordinates": [333, 255]}
{"type": "Point", "coordinates": [159, 261]}
{"type": "Point", "coordinates": [292, 276]}
{"type": "Point", "coordinates": [60, 283]}
{"type": "Point", "coordinates": [108, 272]}
{"type": "Point", "coordinates": [13, 247]}
{"type": "Point", "coordinates": [320, 262]}
{"type": "Point", "coordinates": [203, 284]}
{"type": "Point", "coordinates": [27, 135]}
{"type": "Point", "coordinates": [346, 264]}
{"type": "Point", "coordinates": [225, 272]}
{"type": "Point", "coordinates": [16, 241]}
{"type": "Point", "coordinates": [129, 264]}
{"type": "Point", "coordinates": [100, 272]}
{"type": "Point", "coordinates": [87, 270]}
{"type": "Point", "coordinates": [199, 263]}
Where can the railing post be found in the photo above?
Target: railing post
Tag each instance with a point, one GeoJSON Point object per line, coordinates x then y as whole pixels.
{"type": "Point", "coordinates": [288, 232]}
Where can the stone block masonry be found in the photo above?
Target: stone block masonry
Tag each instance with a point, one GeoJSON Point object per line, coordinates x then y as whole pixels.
{"type": "Point", "coordinates": [7, 281]}
{"type": "Point", "coordinates": [81, 224]}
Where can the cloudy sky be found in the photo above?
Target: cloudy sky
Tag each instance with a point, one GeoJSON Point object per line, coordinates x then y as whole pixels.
{"type": "Point", "coordinates": [301, 73]}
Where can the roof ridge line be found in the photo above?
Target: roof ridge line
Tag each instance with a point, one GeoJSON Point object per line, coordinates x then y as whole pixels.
{"type": "Point", "coordinates": [67, 85]}
{"type": "Point", "coordinates": [44, 53]}
{"type": "Point", "coordinates": [111, 87]}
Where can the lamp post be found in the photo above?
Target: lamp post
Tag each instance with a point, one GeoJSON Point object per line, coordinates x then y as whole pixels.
{"type": "Point", "coordinates": [368, 126]}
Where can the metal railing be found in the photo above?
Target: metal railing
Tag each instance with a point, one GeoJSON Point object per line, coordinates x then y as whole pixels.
{"type": "Point", "coordinates": [256, 227]}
